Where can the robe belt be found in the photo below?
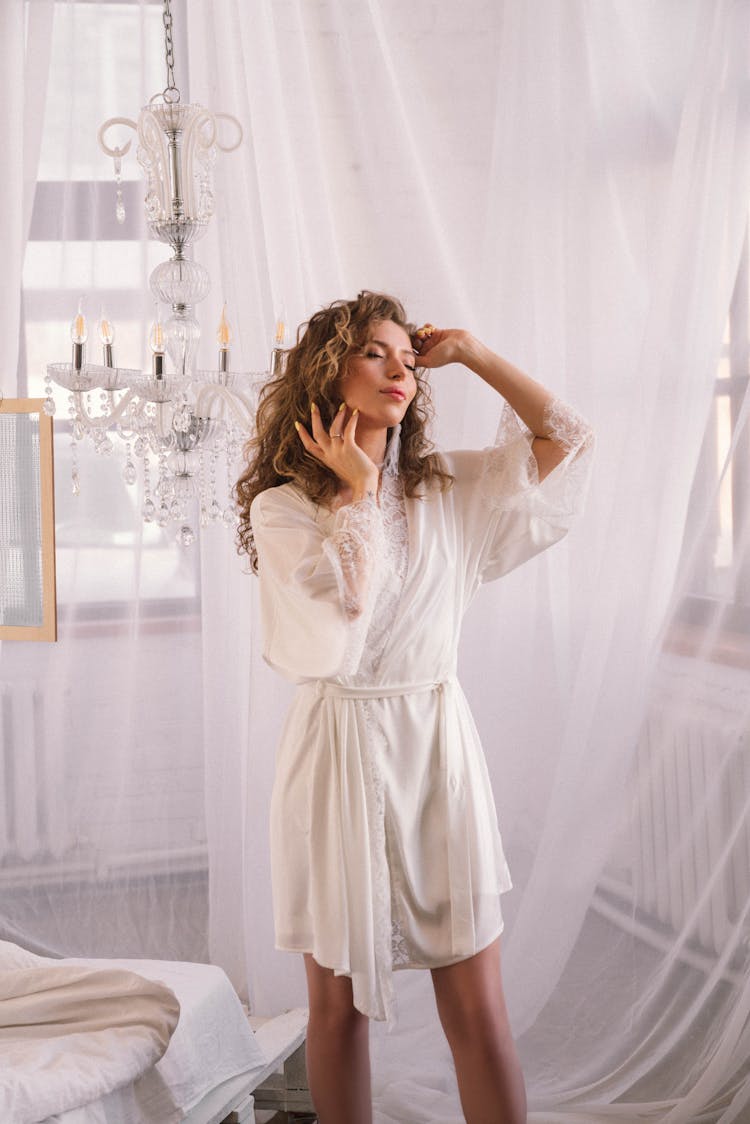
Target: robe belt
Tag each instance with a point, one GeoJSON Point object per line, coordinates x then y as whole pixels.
{"type": "Point", "coordinates": [463, 934]}
{"type": "Point", "coordinates": [386, 691]}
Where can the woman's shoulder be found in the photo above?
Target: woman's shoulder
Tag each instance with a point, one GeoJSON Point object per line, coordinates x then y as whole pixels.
{"type": "Point", "coordinates": [463, 464]}
{"type": "Point", "coordinates": [281, 497]}
{"type": "Point", "coordinates": [284, 500]}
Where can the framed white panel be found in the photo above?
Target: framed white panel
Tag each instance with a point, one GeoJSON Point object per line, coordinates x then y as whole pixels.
{"type": "Point", "coordinates": [28, 603]}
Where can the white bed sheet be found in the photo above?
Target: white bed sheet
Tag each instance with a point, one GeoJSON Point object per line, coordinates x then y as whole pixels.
{"type": "Point", "coordinates": [213, 1043]}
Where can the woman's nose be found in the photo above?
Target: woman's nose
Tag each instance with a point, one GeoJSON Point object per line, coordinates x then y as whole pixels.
{"type": "Point", "coordinates": [397, 369]}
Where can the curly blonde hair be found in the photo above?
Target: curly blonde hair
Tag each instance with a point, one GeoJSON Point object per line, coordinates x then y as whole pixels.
{"type": "Point", "coordinates": [275, 454]}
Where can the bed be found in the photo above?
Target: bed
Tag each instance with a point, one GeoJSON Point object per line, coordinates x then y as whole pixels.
{"type": "Point", "coordinates": [130, 1042]}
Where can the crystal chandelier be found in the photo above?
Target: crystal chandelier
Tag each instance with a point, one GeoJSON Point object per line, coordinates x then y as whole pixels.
{"type": "Point", "coordinates": [185, 427]}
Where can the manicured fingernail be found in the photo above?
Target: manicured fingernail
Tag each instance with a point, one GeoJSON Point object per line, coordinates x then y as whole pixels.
{"type": "Point", "coordinates": [296, 426]}
{"type": "Point", "coordinates": [341, 407]}
{"type": "Point", "coordinates": [313, 408]}
{"type": "Point", "coordinates": [355, 413]}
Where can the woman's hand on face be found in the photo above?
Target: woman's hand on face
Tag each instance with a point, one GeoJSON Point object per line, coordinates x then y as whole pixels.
{"type": "Point", "coordinates": [437, 347]}
{"type": "Point", "coordinates": [338, 450]}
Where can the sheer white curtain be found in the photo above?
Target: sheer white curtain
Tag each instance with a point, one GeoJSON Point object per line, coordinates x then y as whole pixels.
{"type": "Point", "coordinates": [102, 824]}
{"type": "Point", "coordinates": [571, 182]}
{"type": "Point", "coordinates": [25, 39]}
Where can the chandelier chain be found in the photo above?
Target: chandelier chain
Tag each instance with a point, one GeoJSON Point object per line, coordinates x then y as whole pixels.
{"type": "Point", "coordinates": [171, 88]}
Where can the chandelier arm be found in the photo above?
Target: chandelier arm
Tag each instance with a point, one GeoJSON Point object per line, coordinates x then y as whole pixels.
{"type": "Point", "coordinates": [208, 394]}
{"type": "Point", "coordinates": [117, 150]}
{"type": "Point", "coordinates": [240, 134]}
{"type": "Point", "coordinates": [153, 154]}
{"type": "Point", "coordinates": [103, 421]}
{"type": "Point", "coordinates": [200, 133]}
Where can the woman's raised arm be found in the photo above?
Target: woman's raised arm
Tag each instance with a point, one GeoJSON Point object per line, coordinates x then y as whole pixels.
{"type": "Point", "coordinates": [536, 406]}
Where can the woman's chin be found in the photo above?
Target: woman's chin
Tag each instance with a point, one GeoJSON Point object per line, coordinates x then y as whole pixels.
{"type": "Point", "coordinates": [384, 418]}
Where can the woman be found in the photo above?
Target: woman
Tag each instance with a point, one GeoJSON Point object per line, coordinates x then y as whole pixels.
{"type": "Point", "coordinates": [369, 547]}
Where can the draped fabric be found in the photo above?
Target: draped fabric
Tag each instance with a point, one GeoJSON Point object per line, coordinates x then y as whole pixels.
{"type": "Point", "coordinates": [102, 793]}
{"type": "Point", "coordinates": [25, 49]}
{"type": "Point", "coordinates": [570, 182]}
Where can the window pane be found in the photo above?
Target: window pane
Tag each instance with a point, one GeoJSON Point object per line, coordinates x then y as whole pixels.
{"type": "Point", "coordinates": [83, 266]}
{"type": "Point", "coordinates": [107, 61]}
{"type": "Point", "coordinates": [100, 532]}
{"type": "Point", "coordinates": [724, 544]}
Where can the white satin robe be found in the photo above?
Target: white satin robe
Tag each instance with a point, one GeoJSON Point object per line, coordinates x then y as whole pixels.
{"type": "Point", "coordinates": [384, 840]}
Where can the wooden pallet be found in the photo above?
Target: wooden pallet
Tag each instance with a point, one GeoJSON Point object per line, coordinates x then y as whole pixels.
{"type": "Point", "coordinates": [284, 1088]}
{"type": "Point", "coordinates": [280, 1086]}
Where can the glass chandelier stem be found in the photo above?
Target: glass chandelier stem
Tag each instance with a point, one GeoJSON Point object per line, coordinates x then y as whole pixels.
{"type": "Point", "coordinates": [174, 139]}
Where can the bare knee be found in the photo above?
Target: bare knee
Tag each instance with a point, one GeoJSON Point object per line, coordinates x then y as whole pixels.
{"type": "Point", "coordinates": [332, 1010]}
{"type": "Point", "coordinates": [474, 1018]}
{"type": "Point", "coordinates": [470, 1000]}
{"type": "Point", "coordinates": [336, 1021]}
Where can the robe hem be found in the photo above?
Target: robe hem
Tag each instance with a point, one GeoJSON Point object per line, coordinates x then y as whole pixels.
{"type": "Point", "coordinates": [304, 949]}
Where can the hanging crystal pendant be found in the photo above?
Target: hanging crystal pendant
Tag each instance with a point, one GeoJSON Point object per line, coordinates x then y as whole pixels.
{"type": "Point", "coordinates": [119, 204]}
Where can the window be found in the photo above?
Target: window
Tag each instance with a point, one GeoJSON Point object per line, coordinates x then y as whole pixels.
{"type": "Point", "coordinates": [719, 511]}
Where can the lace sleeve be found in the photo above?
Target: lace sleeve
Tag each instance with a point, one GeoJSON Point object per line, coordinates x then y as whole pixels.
{"type": "Point", "coordinates": [319, 578]}
{"type": "Point", "coordinates": [511, 479]}
{"type": "Point", "coordinates": [566, 427]}
{"type": "Point", "coordinates": [354, 550]}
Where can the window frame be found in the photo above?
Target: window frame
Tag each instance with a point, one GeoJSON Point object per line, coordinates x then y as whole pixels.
{"type": "Point", "coordinates": [686, 633]}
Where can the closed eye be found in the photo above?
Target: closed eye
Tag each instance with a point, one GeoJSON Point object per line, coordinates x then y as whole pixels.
{"type": "Point", "coordinates": [379, 355]}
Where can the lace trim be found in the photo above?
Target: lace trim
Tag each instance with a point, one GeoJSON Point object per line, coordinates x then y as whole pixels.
{"type": "Point", "coordinates": [391, 946]}
{"type": "Point", "coordinates": [400, 954]}
{"type": "Point", "coordinates": [565, 427]}
{"type": "Point", "coordinates": [510, 480]}
{"type": "Point", "coordinates": [391, 580]}
{"type": "Point", "coordinates": [353, 549]}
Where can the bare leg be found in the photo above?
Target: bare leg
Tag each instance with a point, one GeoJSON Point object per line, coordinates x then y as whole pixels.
{"type": "Point", "coordinates": [472, 1010]}
{"type": "Point", "coordinates": [337, 1049]}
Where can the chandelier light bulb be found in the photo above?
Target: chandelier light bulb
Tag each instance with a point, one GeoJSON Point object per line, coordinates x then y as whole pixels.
{"type": "Point", "coordinates": [223, 338]}
{"type": "Point", "coordinates": [78, 329]}
{"type": "Point", "coordinates": [106, 330]}
{"type": "Point", "coordinates": [224, 331]}
{"type": "Point", "coordinates": [278, 355]}
{"type": "Point", "coordinates": [156, 336]}
{"type": "Point", "coordinates": [280, 336]}
{"type": "Point", "coordinates": [78, 334]}
{"type": "Point", "coordinates": [156, 341]}
{"type": "Point", "coordinates": [107, 336]}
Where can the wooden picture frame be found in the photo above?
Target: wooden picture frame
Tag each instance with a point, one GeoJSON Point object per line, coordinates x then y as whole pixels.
{"type": "Point", "coordinates": [28, 599]}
